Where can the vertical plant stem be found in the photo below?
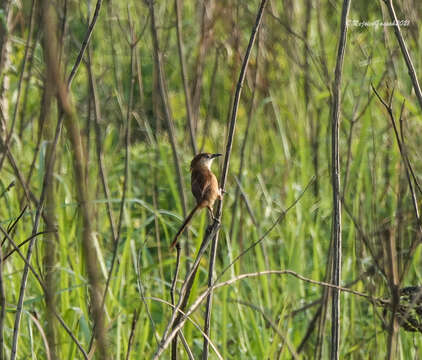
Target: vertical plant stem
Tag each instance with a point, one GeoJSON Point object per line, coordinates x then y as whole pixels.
{"type": "Point", "coordinates": [322, 323]}
{"type": "Point", "coordinates": [405, 52]}
{"type": "Point", "coordinates": [82, 186]}
{"type": "Point", "coordinates": [26, 96]}
{"type": "Point", "coordinates": [84, 43]}
{"type": "Point", "coordinates": [200, 60]}
{"type": "Point", "coordinates": [4, 62]}
{"type": "Point", "coordinates": [251, 114]}
{"type": "Point", "coordinates": [41, 121]}
{"type": "Point", "coordinates": [132, 333]}
{"type": "Point", "coordinates": [20, 82]}
{"type": "Point", "coordinates": [19, 306]}
{"type": "Point", "coordinates": [115, 232]}
{"type": "Point", "coordinates": [188, 101]}
{"type": "Point", "coordinates": [417, 241]}
{"type": "Point", "coordinates": [167, 110]}
{"type": "Point", "coordinates": [49, 91]}
{"type": "Point", "coordinates": [232, 127]}
{"type": "Point", "coordinates": [99, 150]}
{"type": "Point", "coordinates": [393, 277]}
{"type": "Point", "coordinates": [112, 41]}
{"type": "Point", "coordinates": [211, 102]}
{"type": "Point", "coordinates": [166, 106]}
{"type": "Point", "coordinates": [173, 297]}
{"type": "Point", "coordinates": [127, 162]}
{"type": "Point", "coordinates": [212, 231]}
{"type": "Point", "coordinates": [186, 288]}
{"type": "Point", "coordinates": [38, 278]}
{"type": "Point", "coordinates": [4, 35]}
{"type": "Point", "coordinates": [335, 174]}
{"type": "Point", "coordinates": [2, 305]}
{"type": "Point", "coordinates": [101, 168]}
{"type": "Point", "coordinates": [49, 244]}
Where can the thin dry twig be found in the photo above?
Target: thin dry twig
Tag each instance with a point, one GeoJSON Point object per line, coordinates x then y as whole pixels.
{"type": "Point", "coordinates": [166, 105]}
{"type": "Point", "coordinates": [188, 100]}
{"type": "Point", "coordinates": [195, 305]}
{"type": "Point", "coordinates": [275, 223]}
{"type": "Point", "coordinates": [251, 114]}
{"type": "Point", "coordinates": [173, 297]}
{"type": "Point", "coordinates": [132, 333]}
{"type": "Point", "coordinates": [312, 323]}
{"type": "Point", "coordinates": [26, 241]}
{"type": "Point", "coordinates": [405, 52]}
{"type": "Point", "coordinates": [141, 293]}
{"type": "Point", "coordinates": [12, 184]}
{"type": "Point", "coordinates": [192, 321]}
{"type": "Point", "coordinates": [415, 179]}
{"type": "Point", "coordinates": [43, 335]}
{"type": "Point", "coordinates": [12, 226]}
{"type": "Point", "coordinates": [85, 43]}
{"type": "Point", "coordinates": [203, 45]}
{"type": "Point", "coordinates": [211, 102]}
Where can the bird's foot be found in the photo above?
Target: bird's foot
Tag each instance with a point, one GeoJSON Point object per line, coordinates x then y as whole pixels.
{"type": "Point", "coordinates": [221, 192]}
{"type": "Point", "coordinates": [216, 219]}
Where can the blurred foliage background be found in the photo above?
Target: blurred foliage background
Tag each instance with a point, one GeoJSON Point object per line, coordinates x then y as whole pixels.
{"type": "Point", "coordinates": [282, 141]}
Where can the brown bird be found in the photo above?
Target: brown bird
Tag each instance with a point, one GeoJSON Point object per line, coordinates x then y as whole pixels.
{"type": "Point", "coordinates": [204, 187]}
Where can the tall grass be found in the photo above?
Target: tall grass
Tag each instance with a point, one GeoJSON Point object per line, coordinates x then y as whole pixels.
{"type": "Point", "coordinates": [264, 317]}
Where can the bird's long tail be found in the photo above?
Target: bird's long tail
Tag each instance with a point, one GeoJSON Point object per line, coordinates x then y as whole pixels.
{"type": "Point", "coordinates": [184, 225]}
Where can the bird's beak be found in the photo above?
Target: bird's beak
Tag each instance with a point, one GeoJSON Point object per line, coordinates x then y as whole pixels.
{"type": "Point", "coordinates": [215, 155]}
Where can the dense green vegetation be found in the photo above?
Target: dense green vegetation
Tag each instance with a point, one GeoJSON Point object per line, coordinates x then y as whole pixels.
{"type": "Point", "coordinates": [281, 154]}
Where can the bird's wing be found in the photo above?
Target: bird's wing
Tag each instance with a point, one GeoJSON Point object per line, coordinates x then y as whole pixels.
{"type": "Point", "coordinates": [200, 185]}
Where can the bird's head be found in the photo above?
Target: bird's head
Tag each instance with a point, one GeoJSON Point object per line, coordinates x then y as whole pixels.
{"type": "Point", "coordinates": [203, 160]}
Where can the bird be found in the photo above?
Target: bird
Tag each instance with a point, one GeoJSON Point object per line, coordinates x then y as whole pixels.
{"type": "Point", "coordinates": [204, 186]}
